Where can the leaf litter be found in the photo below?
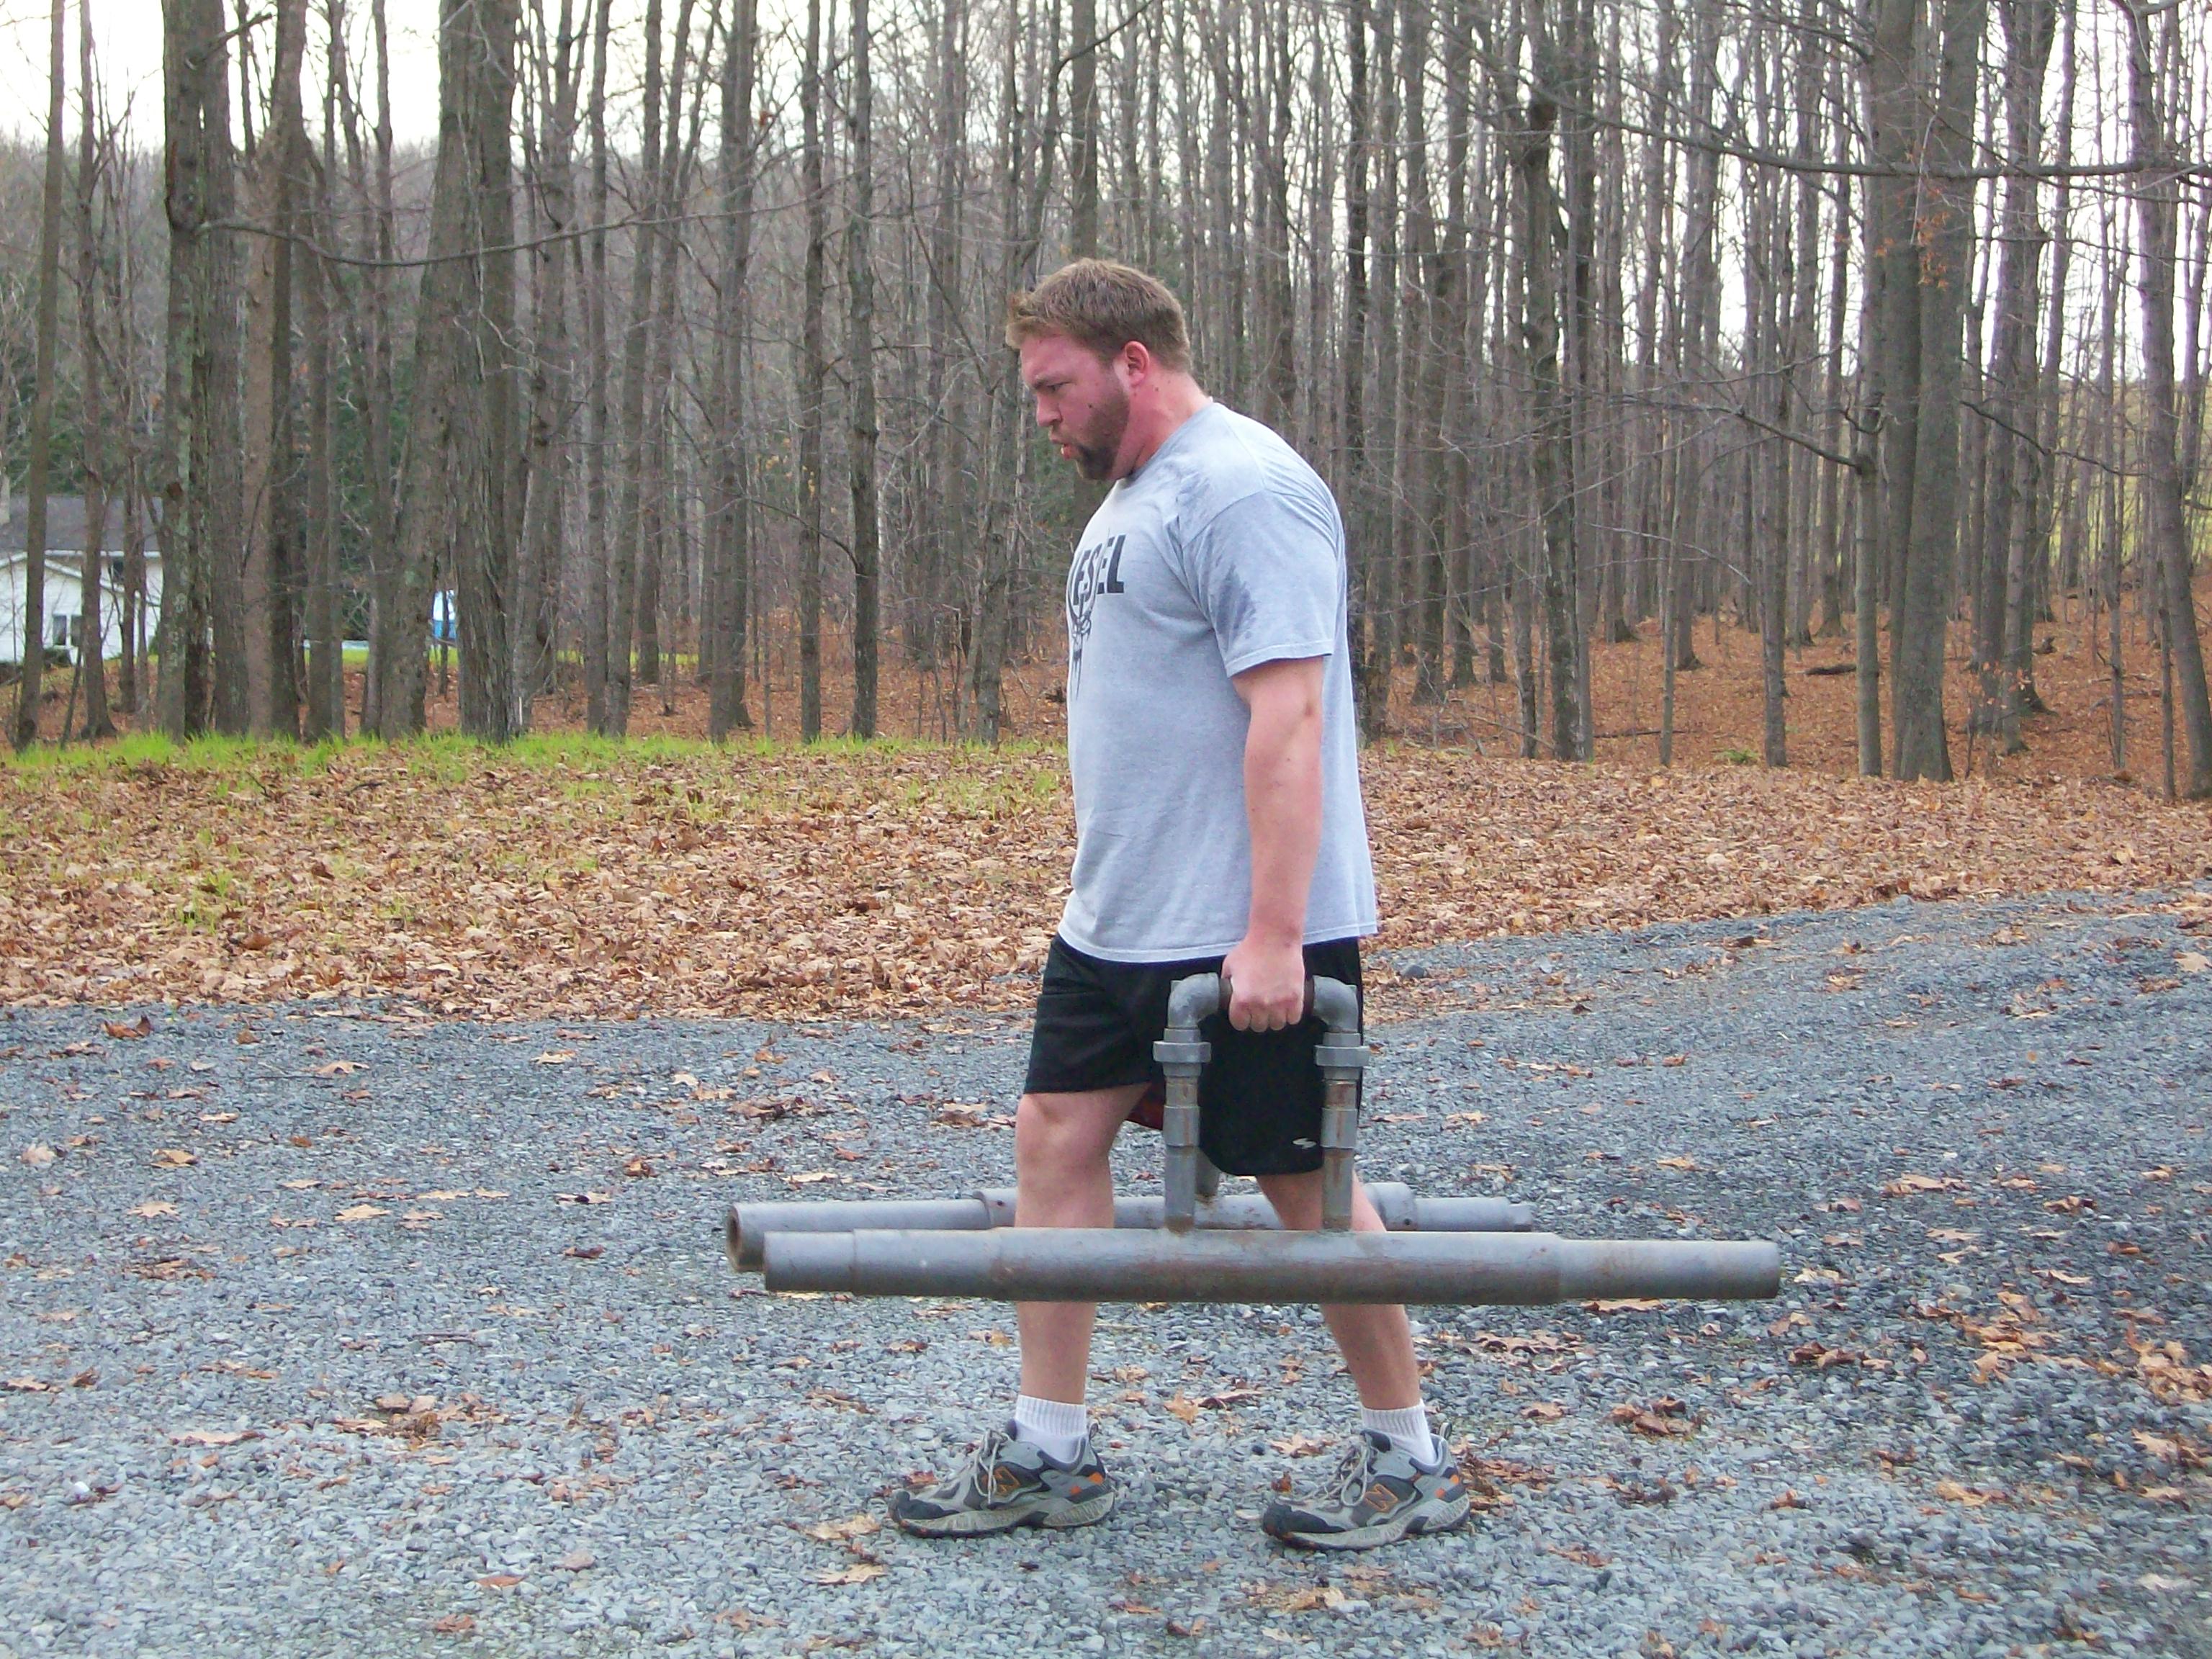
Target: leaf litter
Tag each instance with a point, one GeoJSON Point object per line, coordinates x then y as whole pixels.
{"type": "Point", "coordinates": [779, 883]}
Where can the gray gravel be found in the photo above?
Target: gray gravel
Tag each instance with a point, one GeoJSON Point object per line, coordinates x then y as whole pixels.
{"type": "Point", "coordinates": [603, 1448]}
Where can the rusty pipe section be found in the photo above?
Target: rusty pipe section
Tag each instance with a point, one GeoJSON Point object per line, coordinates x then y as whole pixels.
{"type": "Point", "coordinates": [1025, 1264]}
{"type": "Point", "coordinates": [747, 1226]}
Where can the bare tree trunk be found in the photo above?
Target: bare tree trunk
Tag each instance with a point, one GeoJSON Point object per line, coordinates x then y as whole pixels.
{"type": "Point", "coordinates": [814, 373]}
{"type": "Point", "coordinates": [1942, 253]}
{"type": "Point", "coordinates": [42, 393]}
{"type": "Point", "coordinates": [200, 397]}
{"type": "Point", "coordinates": [369, 332]}
{"type": "Point", "coordinates": [2041, 490]}
{"type": "Point", "coordinates": [2157, 193]}
{"type": "Point", "coordinates": [942, 534]}
{"type": "Point", "coordinates": [2114, 275]}
{"type": "Point", "coordinates": [1768, 274]}
{"type": "Point", "coordinates": [1024, 175]}
{"type": "Point", "coordinates": [1274, 304]}
{"type": "Point", "coordinates": [629, 516]}
{"type": "Point", "coordinates": [229, 621]}
{"type": "Point", "coordinates": [492, 705]}
{"type": "Point", "coordinates": [560, 64]}
{"type": "Point", "coordinates": [596, 645]}
{"type": "Point", "coordinates": [460, 447]}
{"type": "Point", "coordinates": [1571, 51]}
{"type": "Point", "coordinates": [271, 561]}
{"type": "Point", "coordinates": [1694, 341]}
{"type": "Point", "coordinates": [1836, 553]}
{"type": "Point", "coordinates": [1458, 306]}
{"type": "Point", "coordinates": [1867, 553]}
{"type": "Point", "coordinates": [1387, 476]}
{"type": "Point", "coordinates": [2009, 400]}
{"type": "Point", "coordinates": [1082, 116]}
{"type": "Point", "coordinates": [655, 481]}
{"type": "Point", "coordinates": [1551, 456]}
{"type": "Point", "coordinates": [1369, 542]}
{"type": "Point", "coordinates": [1424, 387]}
{"type": "Point", "coordinates": [325, 688]}
{"type": "Point", "coordinates": [732, 524]}
{"type": "Point", "coordinates": [861, 311]}
{"type": "Point", "coordinates": [98, 442]}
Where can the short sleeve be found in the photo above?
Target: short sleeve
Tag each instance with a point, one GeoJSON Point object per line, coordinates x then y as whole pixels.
{"type": "Point", "coordinates": [1267, 571]}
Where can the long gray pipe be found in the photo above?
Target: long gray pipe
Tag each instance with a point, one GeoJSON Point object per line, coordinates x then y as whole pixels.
{"type": "Point", "coordinates": [1139, 1265]}
{"type": "Point", "coordinates": [746, 1228]}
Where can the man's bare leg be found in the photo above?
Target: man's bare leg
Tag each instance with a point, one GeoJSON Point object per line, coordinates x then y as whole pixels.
{"type": "Point", "coordinates": [1376, 1341]}
{"type": "Point", "coordinates": [1044, 1473]}
{"type": "Point", "coordinates": [1402, 1491]}
{"type": "Point", "coordinates": [1063, 1179]}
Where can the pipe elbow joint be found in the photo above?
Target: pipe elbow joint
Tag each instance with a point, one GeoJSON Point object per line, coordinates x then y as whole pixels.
{"type": "Point", "coordinates": [1192, 999]}
{"type": "Point", "coordinates": [1337, 1005]}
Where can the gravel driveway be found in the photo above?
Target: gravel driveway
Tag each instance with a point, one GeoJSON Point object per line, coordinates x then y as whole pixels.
{"type": "Point", "coordinates": [330, 1332]}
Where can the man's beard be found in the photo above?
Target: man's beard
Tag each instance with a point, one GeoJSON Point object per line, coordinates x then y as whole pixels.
{"type": "Point", "coordinates": [1095, 461]}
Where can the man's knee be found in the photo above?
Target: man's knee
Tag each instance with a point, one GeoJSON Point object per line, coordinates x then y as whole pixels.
{"type": "Point", "coordinates": [1062, 1132]}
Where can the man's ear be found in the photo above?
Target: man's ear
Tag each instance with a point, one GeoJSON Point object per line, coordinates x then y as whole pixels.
{"type": "Point", "coordinates": [1136, 363]}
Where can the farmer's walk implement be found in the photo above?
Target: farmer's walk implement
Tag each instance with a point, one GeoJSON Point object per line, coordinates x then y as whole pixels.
{"type": "Point", "coordinates": [1191, 1245]}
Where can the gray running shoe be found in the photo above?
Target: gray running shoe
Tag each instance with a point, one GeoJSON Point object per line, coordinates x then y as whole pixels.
{"type": "Point", "coordinates": [1009, 1483]}
{"type": "Point", "coordinates": [1381, 1496]}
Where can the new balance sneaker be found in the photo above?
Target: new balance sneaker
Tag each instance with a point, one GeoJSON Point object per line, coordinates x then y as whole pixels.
{"type": "Point", "coordinates": [1009, 1483]}
{"type": "Point", "coordinates": [1381, 1496]}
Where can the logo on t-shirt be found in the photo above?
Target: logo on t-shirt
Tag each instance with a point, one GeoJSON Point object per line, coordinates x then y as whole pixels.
{"type": "Point", "coordinates": [1096, 570]}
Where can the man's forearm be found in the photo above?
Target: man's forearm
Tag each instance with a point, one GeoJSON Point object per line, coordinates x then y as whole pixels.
{"type": "Point", "coordinates": [1282, 805]}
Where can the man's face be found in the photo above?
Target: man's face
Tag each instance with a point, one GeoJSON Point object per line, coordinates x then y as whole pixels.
{"type": "Point", "coordinates": [1082, 403]}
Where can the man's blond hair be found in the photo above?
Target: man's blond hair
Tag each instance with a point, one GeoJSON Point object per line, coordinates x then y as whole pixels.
{"type": "Point", "coordinates": [1103, 306]}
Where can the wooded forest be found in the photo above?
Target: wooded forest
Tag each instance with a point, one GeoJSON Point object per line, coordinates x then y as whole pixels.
{"type": "Point", "coordinates": [1883, 320]}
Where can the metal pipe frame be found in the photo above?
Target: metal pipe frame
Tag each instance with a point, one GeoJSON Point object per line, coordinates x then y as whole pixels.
{"type": "Point", "coordinates": [1191, 1245]}
{"type": "Point", "coordinates": [746, 1228]}
{"type": "Point", "coordinates": [1182, 1056]}
{"type": "Point", "coordinates": [1040, 1264]}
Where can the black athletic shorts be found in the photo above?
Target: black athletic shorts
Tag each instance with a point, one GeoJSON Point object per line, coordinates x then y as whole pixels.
{"type": "Point", "coordinates": [1260, 1099]}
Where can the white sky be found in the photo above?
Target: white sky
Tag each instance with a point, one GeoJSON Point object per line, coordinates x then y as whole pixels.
{"type": "Point", "coordinates": [127, 42]}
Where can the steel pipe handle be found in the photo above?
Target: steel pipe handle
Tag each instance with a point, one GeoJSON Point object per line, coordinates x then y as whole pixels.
{"type": "Point", "coordinates": [1098, 1265]}
{"type": "Point", "coordinates": [1192, 999]}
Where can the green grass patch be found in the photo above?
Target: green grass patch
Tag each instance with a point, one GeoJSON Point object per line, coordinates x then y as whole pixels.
{"type": "Point", "coordinates": [242, 758]}
{"type": "Point", "coordinates": [691, 778]}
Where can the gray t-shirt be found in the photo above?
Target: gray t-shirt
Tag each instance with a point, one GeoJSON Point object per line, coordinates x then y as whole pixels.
{"type": "Point", "coordinates": [1223, 551]}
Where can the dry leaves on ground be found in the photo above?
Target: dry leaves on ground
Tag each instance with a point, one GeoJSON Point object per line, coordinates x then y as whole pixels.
{"type": "Point", "coordinates": [1663, 1418]}
{"type": "Point", "coordinates": [790, 883]}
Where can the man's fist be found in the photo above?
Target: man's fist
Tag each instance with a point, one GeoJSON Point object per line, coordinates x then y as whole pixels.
{"type": "Point", "coordinates": [1267, 985]}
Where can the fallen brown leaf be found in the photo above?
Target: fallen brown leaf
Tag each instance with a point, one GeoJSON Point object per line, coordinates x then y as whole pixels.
{"type": "Point", "coordinates": [1663, 1418]}
{"type": "Point", "coordinates": [1906, 1185]}
{"type": "Point", "coordinates": [845, 1531]}
{"type": "Point", "coordinates": [860, 1572]}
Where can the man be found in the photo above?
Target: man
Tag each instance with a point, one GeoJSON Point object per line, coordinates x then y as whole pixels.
{"type": "Point", "coordinates": [1218, 827]}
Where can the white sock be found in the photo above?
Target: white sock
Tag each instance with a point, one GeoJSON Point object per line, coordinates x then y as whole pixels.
{"type": "Point", "coordinates": [1053, 1426]}
{"type": "Point", "coordinates": [1408, 1430]}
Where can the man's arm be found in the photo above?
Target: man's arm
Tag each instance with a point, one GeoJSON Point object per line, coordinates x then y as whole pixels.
{"type": "Point", "coordinates": [1282, 804]}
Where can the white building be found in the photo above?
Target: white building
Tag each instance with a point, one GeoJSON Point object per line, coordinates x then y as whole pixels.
{"type": "Point", "coordinates": [63, 608]}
